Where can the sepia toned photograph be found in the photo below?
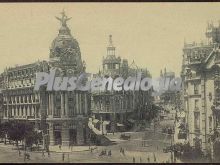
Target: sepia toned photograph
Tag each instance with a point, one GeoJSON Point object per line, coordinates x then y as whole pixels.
{"type": "Point", "coordinates": [110, 82]}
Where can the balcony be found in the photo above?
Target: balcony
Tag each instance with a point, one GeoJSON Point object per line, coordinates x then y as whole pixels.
{"type": "Point", "coordinates": [195, 61]}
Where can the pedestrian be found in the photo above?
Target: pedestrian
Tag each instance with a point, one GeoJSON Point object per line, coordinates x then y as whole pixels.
{"type": "Point", "coordinates": [43, 154]}
{"type": "Point", "coordinates": [48, 153]}
{"type": "Point", "coordinates": [123, 151]}
{"type": "Point", "coordinates": [148, 159]}
{"type": "Point", "coordinates": [19, 152]}
{"type": "Point", "coordinates": [120, 149]}
{"type": "Point", "coordinates": [24, 156]}
{"type": "Point", "coordinates": [28, 156]}
{"type": "Point", "coordinates": [155, 158]}
{"type": "Point", "coordinates": [140, 160]}
{"type": "Point", "coordinates": [171, 157]}
{"type": "Point", "coordinates": [60, 147]}
{"type": "Point", "coordinates": [63, 157]}
{"type": "Point", "coordinates": [133, 159]}
{"type": "Point", "coordinates": [109, 153]}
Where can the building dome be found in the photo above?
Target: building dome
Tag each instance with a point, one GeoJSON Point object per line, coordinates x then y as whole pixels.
{"type": "Point", "coordinates": [64, 48]}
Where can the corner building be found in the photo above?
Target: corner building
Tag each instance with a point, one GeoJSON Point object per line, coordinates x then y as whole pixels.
{"type": "Point", "coordinates": [61, 116]}
{"type": "Point", "coordinates": [201, 75]}
{"type": "Point", "coordinates": [117, 111]}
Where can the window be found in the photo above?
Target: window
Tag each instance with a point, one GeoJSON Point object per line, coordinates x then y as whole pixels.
{"type": "Point", "coordinates": [196, 89]}
{"type": "Point", "coordinates": [196, 104]}
{"type": "Point", "coordinates": [113, 67]}
{"type": "Point", "coordinates": [210, 123]}
{"type": "Point", "coordinates": [196, 121]}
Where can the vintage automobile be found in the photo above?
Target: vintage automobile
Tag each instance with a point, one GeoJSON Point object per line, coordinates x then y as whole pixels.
{"type": "Point", "coordinates": [125, 137]}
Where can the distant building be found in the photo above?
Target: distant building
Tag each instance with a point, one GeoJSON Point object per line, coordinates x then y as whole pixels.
{"type": "Point", "coordinates": [113, 110]}
{"type": "Point", "coordinates": [169, 100]}
{"type": "Point", "coordinates": [201, 75]}
{"type": "Point", "coordinates": [61, 115]}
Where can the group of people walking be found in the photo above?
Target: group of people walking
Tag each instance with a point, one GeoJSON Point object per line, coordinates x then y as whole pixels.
{"type": "Point", "coordinates": [148, 159]}
{"type": "Point", "coordinates": [105, 152]}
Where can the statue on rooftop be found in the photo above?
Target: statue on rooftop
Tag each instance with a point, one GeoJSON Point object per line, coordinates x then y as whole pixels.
{"type": "Point", "coordinates": [63, 19]}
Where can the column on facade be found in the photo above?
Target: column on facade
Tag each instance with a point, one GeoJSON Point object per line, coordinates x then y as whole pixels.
{"type": "Point", "coordinates": [73, 103]}
{"type": "Point", "coordinates": [86, 104]}
{"type": "Point", "coordinates": [6, 115]}
{"type": "Point", "coordinates": [80, 104]}
{"type": "Point", "coordinates": [62, 105]}
{"type": "Point", "coordinates": [80, 136]}
{"type": "Point", "coordinates": [65, 135]}
{"type": "Point", "coordinates": [77, 103]}
{"type": "Point", "coordinates": [50, 105]}
{"type": "Point", "coordinates": [51, 134]}
{"type": "Point", "coordinates": [66, 104]}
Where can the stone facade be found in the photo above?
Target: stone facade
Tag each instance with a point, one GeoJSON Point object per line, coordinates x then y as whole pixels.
{"type": "Point", "coordinates": [201, 73]}
{"type": "Point", "coordinates": [112, 109]}
{"type": "Point", "coordinates": [62, 116]}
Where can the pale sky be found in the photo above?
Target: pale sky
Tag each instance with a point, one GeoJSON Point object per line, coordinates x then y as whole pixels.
{"type": "Point", "coordinates": [150, 33]}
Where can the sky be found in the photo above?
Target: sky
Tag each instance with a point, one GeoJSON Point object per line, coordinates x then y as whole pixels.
{"type": "Point", "coordinates": [152, 34]}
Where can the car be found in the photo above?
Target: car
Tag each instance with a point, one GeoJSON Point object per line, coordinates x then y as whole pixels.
{"type": "Point", "coordinates": [125, 137]}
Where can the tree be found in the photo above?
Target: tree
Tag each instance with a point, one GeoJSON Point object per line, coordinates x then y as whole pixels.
{"type": "Point", "coordinates": [4, 128]}
{"type": "Point", "coordinates": [18, 131]}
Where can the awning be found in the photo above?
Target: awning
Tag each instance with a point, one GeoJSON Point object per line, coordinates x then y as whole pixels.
{"type": "Point", "coordinates": [120, 125]}
{"type": "Point", "coordinates": [95, 121]}
{"type": "Point", "coordinates": [106, 122]}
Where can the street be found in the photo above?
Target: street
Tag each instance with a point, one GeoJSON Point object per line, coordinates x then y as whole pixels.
{"type": "Point", "coordinates": [135, 151]}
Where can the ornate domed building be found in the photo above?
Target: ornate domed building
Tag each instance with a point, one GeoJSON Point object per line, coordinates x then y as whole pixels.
{"type": "Point", "coordinates": [113, 111]}
{"type": "Point", "coordinates": [61, 116]}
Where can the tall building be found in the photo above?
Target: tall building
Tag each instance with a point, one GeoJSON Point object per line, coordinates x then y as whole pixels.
{"type": "Point", "coordinates": [201, 75]}
{"type": "Point", "coordinates": [112, 110]}
{"type": "Point", "coordinates": [62, 116]}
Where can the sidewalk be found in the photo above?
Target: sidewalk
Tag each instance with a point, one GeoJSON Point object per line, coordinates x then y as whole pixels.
{"type": "Point", "coordinates": [67, 149]}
